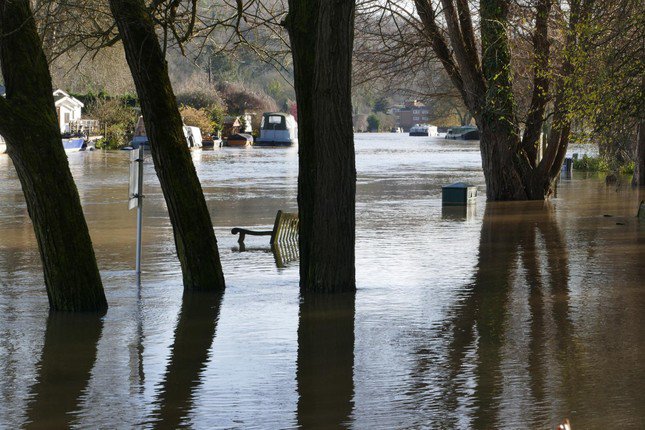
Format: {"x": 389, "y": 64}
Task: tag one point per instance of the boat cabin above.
{"x": 467, "y": 132}
{"x": 277, "y": 129}
{"x": 423, "y": 130}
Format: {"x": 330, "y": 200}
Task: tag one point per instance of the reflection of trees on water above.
{"x": 521, "y": 246}
{"x": 194, "y": 336}
{"x": 326, "y": 360}
{"x": 69, "y": 353}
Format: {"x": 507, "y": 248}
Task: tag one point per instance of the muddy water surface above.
{"x": 509, "y": 315}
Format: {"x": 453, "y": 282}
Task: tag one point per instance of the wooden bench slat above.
{"x": 285, "y": 229}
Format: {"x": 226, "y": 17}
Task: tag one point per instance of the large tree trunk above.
{"x": 28, "y": 124}
{"x": 321, "y": 36}
{"x": 499, "y": 132}
{"x": 510, "y": 163}
{"x": 503, "y": 180}
{"x": 191, "y": 222}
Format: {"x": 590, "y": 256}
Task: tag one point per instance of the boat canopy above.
{"x": 277, "y": 121}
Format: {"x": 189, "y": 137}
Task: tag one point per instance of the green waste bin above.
{"x": 458, "y": 194}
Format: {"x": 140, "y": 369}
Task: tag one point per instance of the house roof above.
{"x": 62, "y": 98}
{"x": 232, "y": 120}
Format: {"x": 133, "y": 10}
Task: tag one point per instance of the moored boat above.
{"x": 78, "y": 144}
{"x": 467, "y": 132}
{"x": 277, "y": 129}
{"x": 238, "y": 140}
{"x": 192, "y": 134}
{"x": 423, "y": 130}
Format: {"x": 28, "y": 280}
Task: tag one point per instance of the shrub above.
{"x": 373, "y": 123}
{"x": 591, "y": 164}
{"x": 198, "y": 118}
{"x": 116, "y": 119}
{"x": 628, "y": 169}
{"x": 240, "y": 99}
{"x": 199, "y": 98}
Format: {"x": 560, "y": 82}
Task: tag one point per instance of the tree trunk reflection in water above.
{"x": 520, "y": 245}
{"x": 194, "y": 336}
{"x": 69, "y": 354}
{"x": 326, "y": 360}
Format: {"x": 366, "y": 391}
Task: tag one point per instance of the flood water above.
{"x": 504, "y": 315}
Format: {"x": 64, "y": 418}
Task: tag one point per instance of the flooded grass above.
{"x": 500, "y": 315}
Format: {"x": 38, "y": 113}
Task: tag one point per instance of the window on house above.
{"x": 416, "y": 118}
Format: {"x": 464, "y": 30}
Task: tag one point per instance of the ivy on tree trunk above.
{"x": 511, "y": 164}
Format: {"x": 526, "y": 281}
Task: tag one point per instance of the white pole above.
{"x": 139, "y": 211}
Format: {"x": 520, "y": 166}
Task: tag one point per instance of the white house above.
{"x": 68, "y": 109}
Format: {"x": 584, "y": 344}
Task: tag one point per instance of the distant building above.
{"x": 413, "y": 112}
{"x": 394, "y": 109}
{"x": 68, "y": 110}
{"x": 231, "y": 126}
{"x": 246, "y": 122}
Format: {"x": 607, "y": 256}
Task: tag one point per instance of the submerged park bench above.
{"x": 285, "y": 230}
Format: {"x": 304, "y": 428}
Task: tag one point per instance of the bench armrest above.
{"x": 243, "y": 232}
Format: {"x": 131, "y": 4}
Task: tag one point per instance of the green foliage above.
{"x": 381, "y": 104}
{"x": 116, "y": 120}
{"x": 628, "y": 168}
{"x": 600, "y": 164}
{"x": 373, "y": 123}
{"x": 116, "y": 136}
{"x": 591, "y": 164}
{"x": 377, "y": 122}
{"x": 606, "y": 98}
{"x": 279, "y": 91}
{"x": 217, "y": 114}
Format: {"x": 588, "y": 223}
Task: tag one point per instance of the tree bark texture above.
{"x": 509, "y": 161}
{"x": 639, "y": 168}
{"x": 192, "y": 226}
{"x": 639, "y": 160}
{"x": 321, "y": 35}
{"x": 29, "y": 125}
